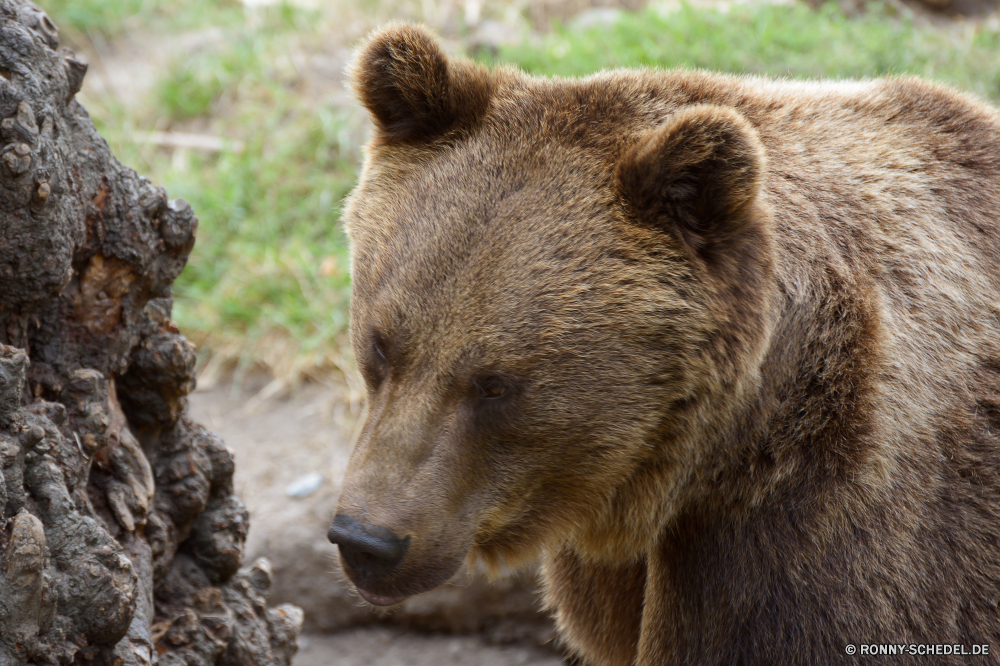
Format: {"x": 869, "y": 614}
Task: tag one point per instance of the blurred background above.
{"x": 239, "y": 107}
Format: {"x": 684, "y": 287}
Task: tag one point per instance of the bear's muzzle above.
{"x": 371, "y": 553}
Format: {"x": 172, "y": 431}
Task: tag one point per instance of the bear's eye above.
{"x": 491, "y": 388}
{"x": 376, "y": 365}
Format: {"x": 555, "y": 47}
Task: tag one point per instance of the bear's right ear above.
{"x": 404, "y": 79}
{"x": 696, "y": 177}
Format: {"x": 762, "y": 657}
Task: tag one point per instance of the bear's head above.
{"x": 559, "y": 292}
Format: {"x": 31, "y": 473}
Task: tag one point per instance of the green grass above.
{"x": 775, "y": 40}
{"x": 271, "y": 258}
{"x": 111, "y": 18}
{"x": 97, "y": 15}
{"x": 268, "y": 280}
{"x": 196, "y": 82}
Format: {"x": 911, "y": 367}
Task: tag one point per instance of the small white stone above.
{"x": 304, "y": 485}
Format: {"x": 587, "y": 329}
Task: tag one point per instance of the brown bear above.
{"x": 723, "y": 352}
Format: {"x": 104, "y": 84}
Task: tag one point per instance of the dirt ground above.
{"x": 278, "y": 442}
{"x": 380, "y": 646}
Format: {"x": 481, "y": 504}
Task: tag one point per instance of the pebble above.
{"x": 305, "y": 485}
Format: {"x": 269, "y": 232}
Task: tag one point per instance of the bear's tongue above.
{"x": 378, "y": 599}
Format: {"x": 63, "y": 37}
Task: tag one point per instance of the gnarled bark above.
{"x": 120, "y": 536}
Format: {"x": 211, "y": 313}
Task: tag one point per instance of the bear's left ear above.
{"x": 412, "y": 90}
{"x": 696, "y": 176}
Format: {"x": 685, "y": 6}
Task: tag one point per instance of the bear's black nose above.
{"x": 369, "y": 550}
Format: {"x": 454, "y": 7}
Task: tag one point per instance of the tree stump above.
{"x": 121, "y": 537}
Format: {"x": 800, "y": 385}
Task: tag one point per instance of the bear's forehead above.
{"x": 461, "y": 237}
{"x": 425, "y": 215}
{"x": 511, "y": 215}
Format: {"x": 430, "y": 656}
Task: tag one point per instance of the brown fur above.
{"x": 746, "y": 334}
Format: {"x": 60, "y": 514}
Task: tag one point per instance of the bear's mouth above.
{"x": 378, "y": 599}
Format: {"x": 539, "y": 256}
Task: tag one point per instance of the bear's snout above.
{"x": 371, "y": 553}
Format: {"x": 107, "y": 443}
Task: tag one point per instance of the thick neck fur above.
{"x": 856, "y": 460}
